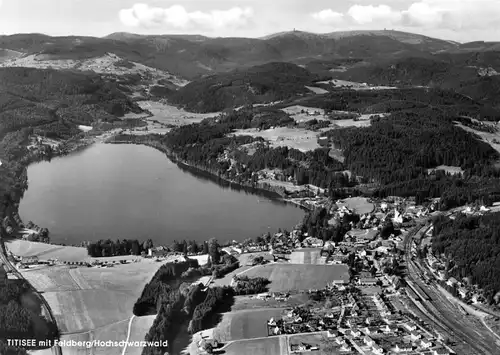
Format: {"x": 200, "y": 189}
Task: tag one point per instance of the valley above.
{"x": 371, "y": 132}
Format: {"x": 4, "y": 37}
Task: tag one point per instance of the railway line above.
{"x": 468, "y": 331}
{"x": 56, "y": 349}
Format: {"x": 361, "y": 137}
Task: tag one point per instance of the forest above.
{"x": 50, "y": 103}
{"x": 449, "y": 103}
{"x": 165, "y": 279}
{"x": 264, "y": 83}
{"x": 250, "y": 286}
{"x": 174, "y": 299}
{"x": 11, "y": 350}
{"x": 18, "y": 322}
{"x": 471, "y": 244}
{"x": 390, "y": 157}
{"x": 396, "y": 152}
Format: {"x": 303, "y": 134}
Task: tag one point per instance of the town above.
{"x": 368, "y": 304}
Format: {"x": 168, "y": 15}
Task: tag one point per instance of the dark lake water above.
{"x": 132, "y": 191}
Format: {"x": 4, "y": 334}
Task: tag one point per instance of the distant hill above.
{"x": 125, "y": 36}
{"x": 479, "y": 46}
{"x": 422, "y": 42}
{"x": 192, "y": 56}
{"x": 258, "y": 84}
{"x": 409, "y": 71}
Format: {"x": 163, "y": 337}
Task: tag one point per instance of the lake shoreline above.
{"x": 105, "y": 138}
{"x": 272, "y": 194}
{"x": 70, "y": 146}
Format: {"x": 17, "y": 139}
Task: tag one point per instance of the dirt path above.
{"x": 128, "y": 334}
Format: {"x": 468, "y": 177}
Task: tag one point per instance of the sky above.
{"x": 457, "y": 20}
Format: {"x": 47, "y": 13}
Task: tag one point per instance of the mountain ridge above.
{"x": 193, "y": 56}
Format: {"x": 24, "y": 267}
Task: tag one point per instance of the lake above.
{"x": 135, "y": 192}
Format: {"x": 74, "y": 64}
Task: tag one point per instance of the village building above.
{"x": 415, "y": 336}
{"x": 425, "y": 343}
{"x": 410, "y": 327}
{"x": 451, "y": 281}
{"x": 367, "y": 281}
{"x": 462, "y": 291}
{"x": 29, "y": 260}
{"x": 368, "y": 341}
{"x": 403, "y": 347}
{"x": 377, "y": 349}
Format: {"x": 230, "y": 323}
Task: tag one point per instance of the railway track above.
{"x": 441, "y": 312}
{"x": 431, "y": 302}
{"x": 56, "y": 349}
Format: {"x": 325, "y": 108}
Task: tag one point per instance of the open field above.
{"x": 303, "y": 113}
{"x": 359, "y": 204}
{"x": 95, "y": 303}
{"x": 289, "y": 186}
{"x": 242, "y": 303}
{"x": 286, "y": 277}
{"x": 46, "y": 251}
{"x": 297, "y": 138}
{"x": 355, "y": 85}
{"x": 245, "y": 258}
{"x": 107, "y": 64}
{"x": 171, "y": 115}
{"x": 153, "y": 127}
{"x": 307, "y": 256}
{"x": 61, "y": 252}
{"x": 226, "y": 280}
{"x": 490, "y": 138}
{"x": 453, "y": 170}
{"x": 84, "y": 310}
{"x": 245, "y": 324}
{"x": 267, "y": 346}
{"x": 317, "y": 90}
{"x": 115, "y": 332}
{"x": 351, "y": 123}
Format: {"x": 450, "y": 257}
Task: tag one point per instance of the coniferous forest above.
{"x": 472, "y": 244}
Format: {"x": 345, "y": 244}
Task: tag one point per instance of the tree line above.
{"x": 103, "y": 248}
{"x": 250, "y": 286}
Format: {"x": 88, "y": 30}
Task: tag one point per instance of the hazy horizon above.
{"x": 460, "y": 21}
{"x": 208, "y": 36}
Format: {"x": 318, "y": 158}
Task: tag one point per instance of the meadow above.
{"x": 46, "y": 251}
{"x": 359, "y": 204}
{"x": 307, "y": 256}
{"x": 95, "y": 303}
{"x": 266, "y": 346}
{"x": 288, "y": 277}
{"x": 171, "y": 115}
{"x": 247, "y": 324}
{"x": 296, "y": 138}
